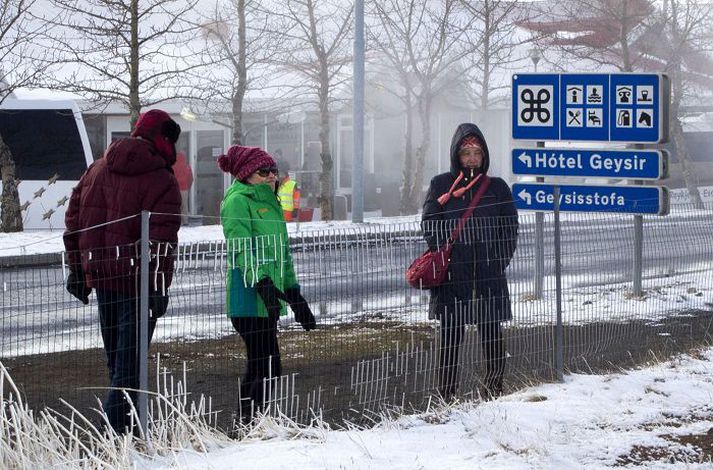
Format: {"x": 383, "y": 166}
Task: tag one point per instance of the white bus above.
{"x": 50, "y": 147}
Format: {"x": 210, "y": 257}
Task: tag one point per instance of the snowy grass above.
{"x": 644, "y": 418}
{"x": 178, "y": 426}
{"x": 68, "y": 439}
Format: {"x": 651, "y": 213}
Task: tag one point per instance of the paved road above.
{"x": 38, "y": 316}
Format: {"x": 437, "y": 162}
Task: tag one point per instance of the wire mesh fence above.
{"x": 375, "y": 346}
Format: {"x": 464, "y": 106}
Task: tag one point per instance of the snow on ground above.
{"x": 586, "y": 422}
{"x": 681, "y": 292}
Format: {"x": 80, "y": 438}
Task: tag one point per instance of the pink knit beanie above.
{"x": 241, "y": 162}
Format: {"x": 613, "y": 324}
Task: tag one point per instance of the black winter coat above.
{"x": 485, "y": 247}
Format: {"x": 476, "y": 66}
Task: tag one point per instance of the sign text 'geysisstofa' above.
{"x": 582, "y": 198}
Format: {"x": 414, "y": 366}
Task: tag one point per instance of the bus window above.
{"x": 43, "y": 143}
{"x": 50, "y": 148}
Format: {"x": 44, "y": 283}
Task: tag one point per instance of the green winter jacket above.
{"x": 258, "y": 247}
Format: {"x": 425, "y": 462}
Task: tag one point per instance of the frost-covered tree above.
{"x": 599, "y": 32}
{"x": 686, "y": 55}
{"x": 492, "y": 42}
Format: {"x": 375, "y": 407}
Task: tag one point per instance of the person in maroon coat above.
{"x": 103, "y": 223}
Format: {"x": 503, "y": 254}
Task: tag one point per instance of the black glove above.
{"x": 271, "y": 296}
{"x": 77, "y": 286}
{"x": 298, "y": 304}
{"x": 158, "y": 304}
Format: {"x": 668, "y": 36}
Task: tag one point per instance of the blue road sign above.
{"x": 599, "y": 163}
{"x": 580, "y": 198}
{"x": 624, "y": 107}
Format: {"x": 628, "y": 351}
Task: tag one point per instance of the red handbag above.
{"x": 431, "y": 268}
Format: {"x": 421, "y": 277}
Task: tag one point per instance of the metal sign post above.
{"x": 559, "y": 326}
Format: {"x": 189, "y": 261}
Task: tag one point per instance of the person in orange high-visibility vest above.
{"x": 288, "y": 193}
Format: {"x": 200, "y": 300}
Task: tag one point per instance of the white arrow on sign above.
{"x": 526, "y": 159}
{"x": 525, "y": 196}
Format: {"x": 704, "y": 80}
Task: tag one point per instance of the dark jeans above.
{"x": 260, "y": 338}
{"x": 118, "y": 316}
{"x": 493, "y": 348}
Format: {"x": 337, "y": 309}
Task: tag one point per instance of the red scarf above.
{"x": 443, "y": 199}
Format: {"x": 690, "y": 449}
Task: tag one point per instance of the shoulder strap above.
{"x": 471, "y": 207}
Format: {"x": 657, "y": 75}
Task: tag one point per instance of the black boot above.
{"x": 451, "y": 332}
{"x": 494, "y": 354}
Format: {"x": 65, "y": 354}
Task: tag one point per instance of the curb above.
{"x": 26, "y": 261}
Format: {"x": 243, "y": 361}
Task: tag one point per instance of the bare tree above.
{"x": 239, "y": 44}
{"x": 125, "y": 51}
{"x": 19, "y": 67}
{"x": 316, "y": 49}
{"x": 421, "y": 41}
{"x": 685, "y": 55}
{"x": 492, "y": 42}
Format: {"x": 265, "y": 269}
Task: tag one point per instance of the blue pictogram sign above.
{"x": 581, "y": 198}
{"x": 601, "y": 163}
{"x": 622, "y": 107}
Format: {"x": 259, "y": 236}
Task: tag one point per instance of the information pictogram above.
{"x": 536, "y": 106}
{"x": 594, "y": 107}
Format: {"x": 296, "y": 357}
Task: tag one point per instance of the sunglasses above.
{"x": 264, "y": 172}
{"x": 475, "y": 152}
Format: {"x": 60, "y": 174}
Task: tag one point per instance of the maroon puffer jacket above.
{"x": 130, "y": 178}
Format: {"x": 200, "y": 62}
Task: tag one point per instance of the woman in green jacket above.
{"x": 261, "y": 276}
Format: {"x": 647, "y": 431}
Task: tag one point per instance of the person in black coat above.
{"x": 476, "y": 290}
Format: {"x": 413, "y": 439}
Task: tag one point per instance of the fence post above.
{"x": 143, "y": 336}
{"x": 539, "y": 244}
{"x": 638, "y": 245}
{"x": 559, "y": 333}
{"x": 357, "y": 260}
{"x": 638, "y": 253}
